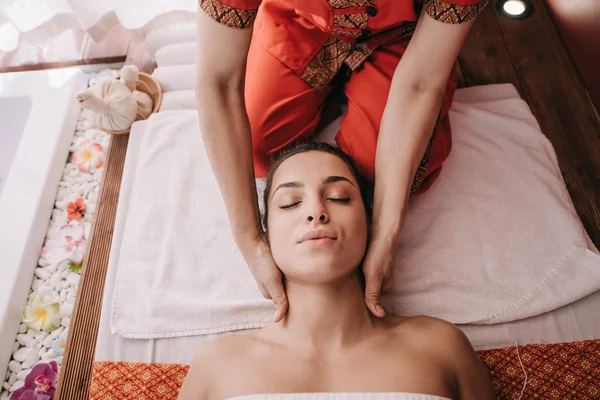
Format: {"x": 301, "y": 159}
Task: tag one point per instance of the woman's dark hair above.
{"x": 365, "y": 187}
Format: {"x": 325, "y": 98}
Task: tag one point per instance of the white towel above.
{"x": 495, "y": 239}
{"x": 180, "y": 272}
{"x": 176, "y": 77}
{"x": 178, "y": 100}
{"x": 176, "y": 54}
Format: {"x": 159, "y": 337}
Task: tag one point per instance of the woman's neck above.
{"x": 330, "y": 315}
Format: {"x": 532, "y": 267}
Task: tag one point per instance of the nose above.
{"x": 316, "y": 211}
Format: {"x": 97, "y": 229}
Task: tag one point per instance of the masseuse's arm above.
{"x": 411, "y": 112}
{"x": 412, "y": 108}
{"x": 221, "y": 67}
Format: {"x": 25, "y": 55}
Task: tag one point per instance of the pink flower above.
{"x": 40, "y": 384}
{"x": 89, "y": 155}
{"x": 75, "y": 210}
{"x": 67, "y": 243}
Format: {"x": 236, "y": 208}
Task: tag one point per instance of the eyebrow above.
{"x": 326, "y": 181}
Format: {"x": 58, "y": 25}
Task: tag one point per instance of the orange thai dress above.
{"x": 298, "y": 48}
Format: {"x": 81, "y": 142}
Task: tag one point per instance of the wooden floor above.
{"x": 528, "y": 54}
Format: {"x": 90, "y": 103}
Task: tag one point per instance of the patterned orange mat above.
{"x": 554, "y": 371}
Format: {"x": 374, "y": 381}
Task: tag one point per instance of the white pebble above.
{"x": 42, "y": 273}
{"x": 6, "y": 386}
{"x": 42, "y": 262}
{"x": 41, "y": 335}
{"x": 57, "y": 332}
{"x": 44, "y": 291}
{"x": 71, "y": 292}
{"x": 27, "y": 364}
{"x": 22, "y": 328}
{"x": 58, "y": 360}
{"x": 23, "y": 354}
{"x": 48, "y": 342}
{"x": 52, "y": 268}
{"x": 39, "y": 346}
{"x": 88, "y": 229}
{"x": 65, "y": 273}
{"x": 14, "y": 366}
{"x": 63, "y": 296}
{"x": 32, "y": 358}
{"x": 16, "y": 346}
{"x": 23, "y": 374}
{"x": 66, "y": 322}
{"x": 37, "y": 283}
{"x": 93, "y": 196}
{"x": 56, "y": 214}
{"x": 18, "y": 385}
{"x": 12, "y": 379}
{"x": 66, "y": 310}
{"x": 73, "y": 279}
{"x": 23, "y": 339}
{"x": 55, "y": 279}
{"x": 4, "y": 395}
{"x": 33, "y": 344}
{"x": 62, "y": 285}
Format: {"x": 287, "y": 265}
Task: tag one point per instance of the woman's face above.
{"x": 317, "y": 223}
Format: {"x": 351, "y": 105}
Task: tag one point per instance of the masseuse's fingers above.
{"x": 280, "y": 301}
{"x": 374, "y": 283}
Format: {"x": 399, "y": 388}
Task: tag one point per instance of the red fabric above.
{"x": 283, "y": 109}
{"x": 554, "y": 371}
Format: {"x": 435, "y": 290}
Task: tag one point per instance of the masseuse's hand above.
{"x": 268, "y": 276}
{"x": 377, "y": 267}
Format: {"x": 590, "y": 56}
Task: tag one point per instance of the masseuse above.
{"x": 264, "y": 75}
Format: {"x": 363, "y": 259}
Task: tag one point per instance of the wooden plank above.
{"x": 76, "y": 368}
{"x": 559, "y": 101}
{"x": 484, "y": 58}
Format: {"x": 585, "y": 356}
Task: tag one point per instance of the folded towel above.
{"x": 178, "y": 100}
{"x": 180, "y": 272}
{"x": 495, "y": 239}
{"x": 175, "y": 77}
{"x": 176, "y": 54}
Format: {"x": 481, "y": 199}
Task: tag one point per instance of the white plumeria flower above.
{"x": 66, "y": 243}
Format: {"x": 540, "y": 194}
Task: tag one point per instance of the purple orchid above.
{"x": 40, "y": 384}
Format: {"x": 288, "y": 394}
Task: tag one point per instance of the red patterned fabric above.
{"x": 554, "y": 371}
{"x": 140, "y": 381}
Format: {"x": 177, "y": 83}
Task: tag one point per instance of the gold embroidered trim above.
{"x": 352, "y": 21}
{"x": 323, "y": 67}
{"x": 358, "y": 55}
{"x": 232, "y": 17}
{"x": 452, "y": 13}
{"x": 348, "y": 3}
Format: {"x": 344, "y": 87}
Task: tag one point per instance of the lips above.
{"x": 317, "y": 234}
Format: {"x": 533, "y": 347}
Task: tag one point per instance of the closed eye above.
{"x": 342, "y": 200}
{"x": 289, "y": 205}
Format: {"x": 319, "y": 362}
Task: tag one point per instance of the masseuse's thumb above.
{"x": 279, "y": 298}
{"x": 373, "y": 293}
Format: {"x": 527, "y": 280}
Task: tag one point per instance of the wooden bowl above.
{"x": 147, "y": 84}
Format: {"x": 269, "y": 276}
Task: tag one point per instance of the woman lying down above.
{"x": 329, "y": 346}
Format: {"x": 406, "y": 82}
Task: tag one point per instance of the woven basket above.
{"x": 147, "y": 84}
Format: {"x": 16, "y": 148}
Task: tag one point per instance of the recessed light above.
{"x": 515, "y": 9}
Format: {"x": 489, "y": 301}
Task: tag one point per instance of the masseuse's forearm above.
{"x": 406, "y": 128}
{"x": 226, "y": 134}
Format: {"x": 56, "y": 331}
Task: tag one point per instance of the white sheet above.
{"x": 577, "y": 321}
